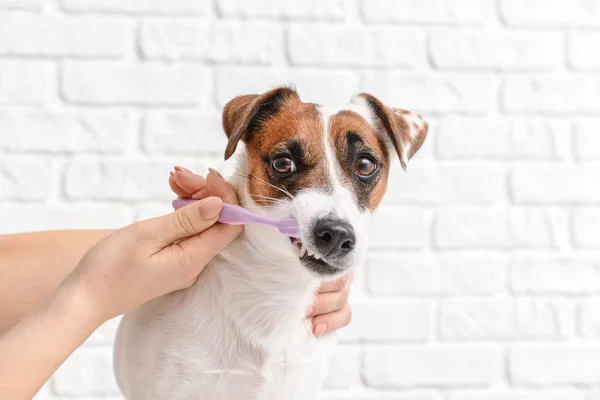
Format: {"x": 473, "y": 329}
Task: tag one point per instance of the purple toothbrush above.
{"x": 236, "y": 215}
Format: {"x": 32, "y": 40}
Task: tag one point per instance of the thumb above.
{"x": 182, "y": 223}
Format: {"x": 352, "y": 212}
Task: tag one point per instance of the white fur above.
{"x": 240, "y": 332}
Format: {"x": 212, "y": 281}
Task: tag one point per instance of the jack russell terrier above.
{"x": 240, "y": 332}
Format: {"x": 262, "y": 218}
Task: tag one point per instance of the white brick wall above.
{"x": 483, "y": 280}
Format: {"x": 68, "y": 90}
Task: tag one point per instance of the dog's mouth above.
{"x": 312, "y": 260}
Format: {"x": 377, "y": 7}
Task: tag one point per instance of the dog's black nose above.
{"x": 333, "y": 237}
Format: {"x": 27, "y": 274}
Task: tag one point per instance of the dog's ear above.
{"x": 403, "y": 129}
{"x": 244, "y": 115}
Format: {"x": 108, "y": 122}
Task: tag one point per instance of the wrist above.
{"x": 74, "y": 306}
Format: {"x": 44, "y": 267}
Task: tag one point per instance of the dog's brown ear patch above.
{"x": 406, "y": 131}
{"x": 244, "y": 115}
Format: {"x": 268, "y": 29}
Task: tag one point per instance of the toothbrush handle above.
{"x": 232, "y": 215}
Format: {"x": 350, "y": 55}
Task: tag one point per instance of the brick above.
{"x": 586, "y": 228}
{"x": 456, "y": 12}
{"x": 518, "y": 394}
{"x": 476, "y": 319}
{"x": 495, "y": 138}
{"x": 465, "y": 228}
{"x": 427, "y": 274}
{"x": 413, "y": 234}
{"x": 593, "y": 395}
{"x": 171, "y": 7}
{"x": 246, "y": 42}
{"x": 187, "y": 133}
{"x": 406, "y": 320}
{"x": 86, "y": 372}
{"x": 49, "y": 131}
{"x": 344, "y": 372}
{"x": 326, "y": 87}
{"x": 432, "y": 94}
{"x": 589, "y": 318}
{"x": 555, "y": 184}
{"x": 40, "y": 35}
{"x": 322, "y": 87}
{"x": 445, "y": 183}
{"x": 27, "y": 82}
{"x": 174, "y": 39}
{"x": 25, "y": 178}
{"x": 30, "y": 218}
{"x": 118, "y": 179}
{"x": 297, "y": 9}
{"x": 531, "y": 274}
{"x": 502, "y": 319}
{"x": 558, "y": 365}
{"x": 32, "y": 5}
{"x": 545, "y": 318}
{"x": 579, "y": 50}
{"x": 147, "y": 84}
{"x": 551, "y": 94}
{"x": 355, "y": 46}
{"x": 399, "y": 367}
{"x": 506, "y": 51}
{"x": 545, "y": 13}
{"x": 587, "y": 140}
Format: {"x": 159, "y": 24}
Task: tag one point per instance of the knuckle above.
{"x": 185, "y": 223}
{"x": 347, "y": 314}
{"x": 343, "y": 300}
{"x": 339, "y": 284}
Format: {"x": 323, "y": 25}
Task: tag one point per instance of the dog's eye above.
{"x": 365, "y": 167}
{"x": 283, "y": 165}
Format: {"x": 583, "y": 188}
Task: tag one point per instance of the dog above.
{"x": 241, "y": 332}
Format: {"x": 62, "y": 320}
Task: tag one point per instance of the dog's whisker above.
{"x": 248, "y": 176}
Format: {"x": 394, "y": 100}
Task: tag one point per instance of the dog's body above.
{"x": 238, "y": 333}
{"x": 241, "y": 332}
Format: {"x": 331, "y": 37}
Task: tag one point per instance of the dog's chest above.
{"x": 220, "y": 340}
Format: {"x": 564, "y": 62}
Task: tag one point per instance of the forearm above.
{"x": 32, "y": 350}
{"x": 32, "y": 265}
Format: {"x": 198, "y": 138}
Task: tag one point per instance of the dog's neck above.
{"x": 266, "y": 288}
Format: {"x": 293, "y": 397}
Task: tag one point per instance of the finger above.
{"x": 195, "y": 252}
{"x": 180, "y": 224}
{"x": 217, "y": 186}
{"x": 189, "y": 182}
{"x": 201, "y": 194}
{"x": 175, "y": 187}
{"x": 337, "y": 285}
{"x": 332, "y": 322}
{"x": 329, "y": 302}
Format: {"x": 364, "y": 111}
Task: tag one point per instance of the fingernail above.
{"x": 320, "y": 329}
{"x": 181, "y": 169}
{"x": 215, "y": 172}
{"x": 309, "y": 310}
{"x": 171, "y": 173}
{"x": 210, "y": 208}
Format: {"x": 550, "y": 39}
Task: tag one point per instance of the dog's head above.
{"x": 326, "y": 167}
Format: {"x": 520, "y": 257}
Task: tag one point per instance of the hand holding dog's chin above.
{"x": 148, "y": 259}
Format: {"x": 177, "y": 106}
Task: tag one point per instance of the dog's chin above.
{"x": 314, "y": 263}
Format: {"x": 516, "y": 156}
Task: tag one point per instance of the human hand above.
{"x": 330, "y": 310}
{"x": 151, "y": 258}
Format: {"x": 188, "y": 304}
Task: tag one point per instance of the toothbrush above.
{"x": 236, "y": 215}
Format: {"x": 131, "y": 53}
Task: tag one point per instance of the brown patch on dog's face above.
{"x": 358, "y": 149}
{"x": 295, "y": 133}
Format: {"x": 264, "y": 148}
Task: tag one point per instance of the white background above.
{"x": 483, "y": 277}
